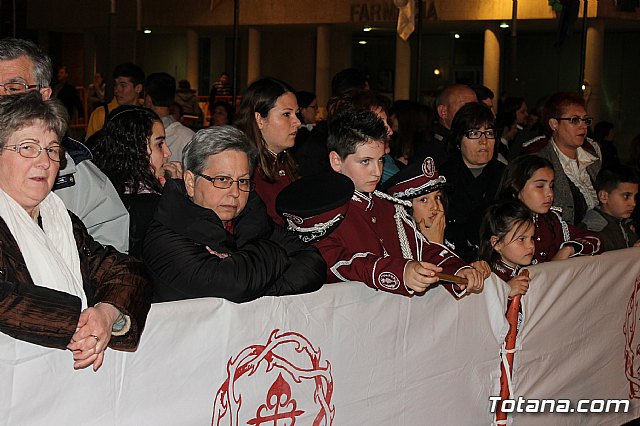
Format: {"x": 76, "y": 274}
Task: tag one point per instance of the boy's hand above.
{"x": 418, "y": 276}
{"x": 564, "y": 253}
{"x": 482, "y": 267}
{"x": 434, "y": 233}
{"x": 518, "y": 285}
{"x": 475, "y": 279}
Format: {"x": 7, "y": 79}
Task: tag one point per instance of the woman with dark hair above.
{"x": 221, "y": 113}
{"x": 530, "y": 179}
{"x": 268, "y": 117}
{"x": 133, "y": 154}
{"x": 474, "y": 173}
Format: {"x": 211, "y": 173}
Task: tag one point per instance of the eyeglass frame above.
{"x": 26, "y": 86}
{"x": 252, "y": 184}
{"x": 49, "y": 150}
{"x": 575, "y": 121}
{"x": 485, "y": 133}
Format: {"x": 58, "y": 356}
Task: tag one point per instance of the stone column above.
{"x": 491, "y": 63}
{"x": 253, "y": 61}
{"x": 192, "y": 58}
{"x": 402, "y": 81}
{"x": 323, "y": 78}
{"x": 593, "y": 67}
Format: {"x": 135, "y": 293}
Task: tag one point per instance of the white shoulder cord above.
{"x": 400, "y": 216}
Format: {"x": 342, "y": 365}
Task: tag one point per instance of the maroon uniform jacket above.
{"x": 268, "y": 191}
{"x": 366, "y": 247}
{"x": 552, "y": 233}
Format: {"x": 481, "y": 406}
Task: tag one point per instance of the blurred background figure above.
{"x": 160, "y": 92}
{"x": 308, "y": 108}
{"x": 506, "y": 131}
{"x": 95, "y": 92}
{"x": 412, "y": 138}
{"x": 485, "y": 95}
{"x": 128, "y": 86}
{"x": 448, "y": 103}
{"x": 604, "y": 135}
{"x": 222, "y": 87}
{"x": 65, "y": 91}
{"x": 192, "y": 115}
{"x": 221, "y": 113}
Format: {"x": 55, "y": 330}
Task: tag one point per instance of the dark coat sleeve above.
{"x": 117, "y": 279}
{"x": 182, "y": 269}
{"x": 306, "y": 271}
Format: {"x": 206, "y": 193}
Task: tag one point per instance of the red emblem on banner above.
{"x": 298, "y": 384}
{"x": 632, "y": 343}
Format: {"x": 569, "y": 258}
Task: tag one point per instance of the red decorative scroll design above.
{"x": 632, "y": 346}
{"x": 227, "y": 403}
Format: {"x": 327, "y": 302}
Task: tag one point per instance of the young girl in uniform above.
{"x": 507, "y": 243}
{"x": 530, "y": 180}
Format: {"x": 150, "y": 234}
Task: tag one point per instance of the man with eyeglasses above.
{"x": 211, "y": 235}
{"x": 83, "y": 188}
{"x": 576, "y": 159}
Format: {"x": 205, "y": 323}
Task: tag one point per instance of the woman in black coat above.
{"x": 474, "y": 174}
{"x": 212, "y": 237}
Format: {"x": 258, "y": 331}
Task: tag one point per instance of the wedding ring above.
{"x": 95, "y": 337}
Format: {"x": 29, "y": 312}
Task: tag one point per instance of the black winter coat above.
{"x": 470, "y": 198}
{"x": 263, "y": 258}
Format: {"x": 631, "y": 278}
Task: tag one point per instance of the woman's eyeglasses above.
{"x": 33, "y": 150}
{"x": 225, "y": 182}
{"x": 18, "y": 87}
{"x": 576, "y": 120}
{"x": 477, "y": 134}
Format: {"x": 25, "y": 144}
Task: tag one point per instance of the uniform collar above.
{"x": 362, "y": 200}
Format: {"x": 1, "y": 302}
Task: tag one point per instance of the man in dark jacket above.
{"x": 211, "y": 236}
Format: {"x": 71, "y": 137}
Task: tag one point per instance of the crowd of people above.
{"x": 271, "y": 201}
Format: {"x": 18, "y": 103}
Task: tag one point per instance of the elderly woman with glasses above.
{"x": 212, "y": 237}
{"x": 474, "y": 174}
{"x": 576, "y": 159}
{"x": 58, "y": 287}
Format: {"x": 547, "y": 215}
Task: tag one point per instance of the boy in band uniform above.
{"x": 376, "y": 243}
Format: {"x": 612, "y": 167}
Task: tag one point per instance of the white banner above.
{"x": 346, "y": 355}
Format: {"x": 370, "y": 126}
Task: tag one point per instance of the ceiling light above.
{"x": 367, "y": 29}
{"x": 436, "y": 71}
{"x": 504, "y": 25}
{"x": 362, "y": 42}
{"x": 456, "y": 35}
{"x": 147, "y": 31}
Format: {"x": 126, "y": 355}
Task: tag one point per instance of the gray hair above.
{"x": 24, "y": 109}
{"x": 13, "y": 48}
{"x": 214, "y": 140}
